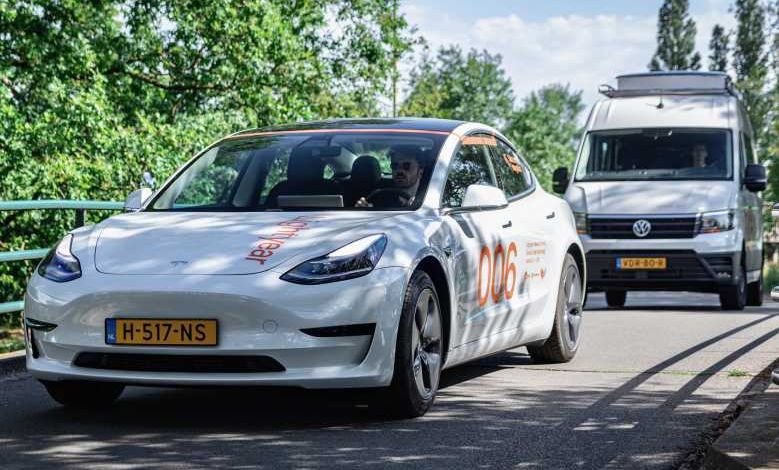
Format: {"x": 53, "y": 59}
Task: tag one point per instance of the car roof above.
{"x": 417, "y": 124}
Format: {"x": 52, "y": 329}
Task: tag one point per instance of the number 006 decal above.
{"x": 497, "y": 274}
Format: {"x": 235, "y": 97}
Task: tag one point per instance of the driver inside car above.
{"x": 406, "y": 164}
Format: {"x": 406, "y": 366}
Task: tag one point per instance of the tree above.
{"x": 546, "y": 129}
{"x": 94, "y": 93}
{"x": 675, "y": 38}
{"x": 750, "y": 62}
{"x": 454, "y": 85}
{"x": 719, "y": 47}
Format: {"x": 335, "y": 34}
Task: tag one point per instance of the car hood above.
{"x": 651, "y": 197}
{"x": 218, "y": 242}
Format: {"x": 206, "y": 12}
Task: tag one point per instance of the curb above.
{"x": 12, "y": 363}
{"x": 725, "y": 451}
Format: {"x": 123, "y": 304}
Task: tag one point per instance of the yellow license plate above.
{"x": 159, "y": 332}
{"x": 641, "y": 263}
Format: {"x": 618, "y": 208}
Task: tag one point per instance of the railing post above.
{"x": 80, "y": 217}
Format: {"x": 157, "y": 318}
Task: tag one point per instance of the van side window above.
{"x": 469, "y": 166}
{"x": 750, "y": 152}
{"x": 513, "y": 174}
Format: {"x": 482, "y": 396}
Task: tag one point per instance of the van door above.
{"x": 753, "y": 223}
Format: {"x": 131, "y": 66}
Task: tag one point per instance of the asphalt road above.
{"x": 649, "y": 379}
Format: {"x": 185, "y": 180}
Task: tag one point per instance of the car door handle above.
{"x": 550, "y": 216}
{"x": 507, "y": 224}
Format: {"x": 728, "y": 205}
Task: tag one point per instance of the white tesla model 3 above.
{"x": 338, "y": 254}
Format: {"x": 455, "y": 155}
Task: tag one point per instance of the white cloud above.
{"x": 584, "y": 51}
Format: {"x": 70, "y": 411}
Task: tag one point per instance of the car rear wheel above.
{"x": 84, "y": 394}
{"x": 563, "y": 342}
{"x": 616, "y": 298}
{"x": 419, "y": 350}
{"x": 735, "y": 297}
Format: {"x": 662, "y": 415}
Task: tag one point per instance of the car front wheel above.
{"x": 419, "y": 349}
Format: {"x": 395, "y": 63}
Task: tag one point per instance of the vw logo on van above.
{"x": 641, "y": 228}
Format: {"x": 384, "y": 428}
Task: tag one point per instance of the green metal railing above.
{"x": 81, "y": 207}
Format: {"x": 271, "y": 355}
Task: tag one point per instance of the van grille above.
{"x": 622, "y": 227}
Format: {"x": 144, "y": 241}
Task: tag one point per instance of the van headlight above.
{"x": 718, "y": 221}
{"x": 353, "y": 260}
{"x": 60, "y": 265}
{"x": 581, "y": 222}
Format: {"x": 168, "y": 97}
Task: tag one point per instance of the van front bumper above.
{"x": 686, "y": 270}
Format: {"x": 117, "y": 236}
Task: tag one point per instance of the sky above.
{"x": 580, "y": 42}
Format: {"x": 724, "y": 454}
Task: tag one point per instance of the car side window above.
{"x": 513, "y": 174}
{"x": 469, "y": 166}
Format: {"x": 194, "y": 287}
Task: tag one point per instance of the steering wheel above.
{"x": 389, "y": 197}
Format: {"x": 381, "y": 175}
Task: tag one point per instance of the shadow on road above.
{"x": 481, "y": 419}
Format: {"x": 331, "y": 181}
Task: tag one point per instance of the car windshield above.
{"x": 656, "y": 154}
{"x": 307, "y": 170}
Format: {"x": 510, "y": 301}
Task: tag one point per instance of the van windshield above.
{"x": 656, "y": 154}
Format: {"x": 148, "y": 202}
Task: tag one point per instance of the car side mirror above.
{"x": 135, "y": 200}
{"x": 775, "y": 210}
{"x": 481, "y": 196}
{"x": 560, "y": 180}
{"x": 755, "y": 178}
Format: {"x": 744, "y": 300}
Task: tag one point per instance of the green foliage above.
{"x": 770, "y": 276}
{"x": 675, "y": 38}
{"x": 719, "y": 46}
{"x": 470, "y": 87}
{"x": 750, "y": 62}
{"x": 94, "y": 93}
{"x": 546, "y": 129}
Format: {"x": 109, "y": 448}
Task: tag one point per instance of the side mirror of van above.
{"x": 755, "y": 178}
{"x": 560, "y": 180}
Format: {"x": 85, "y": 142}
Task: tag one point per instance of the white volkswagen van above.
{"x": 664, "y": 189}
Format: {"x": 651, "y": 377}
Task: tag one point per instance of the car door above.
{"x": 529, "y": 239}
{"x": 477, "y": 236}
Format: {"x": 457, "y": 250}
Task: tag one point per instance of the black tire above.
{"x": 404, "y": 396}
{"x": 84, "y": 394}
{"x": 564, "y": 340}
{"x": 755, "y": 292}
{"x": 616, "y": 298}
{"x": 735, "y": 297}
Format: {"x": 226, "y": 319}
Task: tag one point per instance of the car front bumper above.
{"x": 259, "y": 316}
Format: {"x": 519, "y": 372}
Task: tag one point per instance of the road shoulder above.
{"x": 752, "y": 440}
{"x": 12, "y": 362}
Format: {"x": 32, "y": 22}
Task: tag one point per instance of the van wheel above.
{"x": 755, "y": 292}
{"x": 418, "y": 351}
{"x": 616, "y": 298}
{"x": 563, "y": 342}
{"x": 83, "y": 394}
{"x": 735, "y": 297}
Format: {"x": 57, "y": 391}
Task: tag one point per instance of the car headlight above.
{"x": 719, "y": 221}
{"x": 353, "y": 260}
{"x": 60, "y": 265}
{"x": 581, "y": 222}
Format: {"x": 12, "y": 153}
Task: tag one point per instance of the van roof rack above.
{"x": 671, "y": 83}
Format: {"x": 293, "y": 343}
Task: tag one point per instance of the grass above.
{"x": 738, "y": 373}
{"x": 11, "y": 339}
